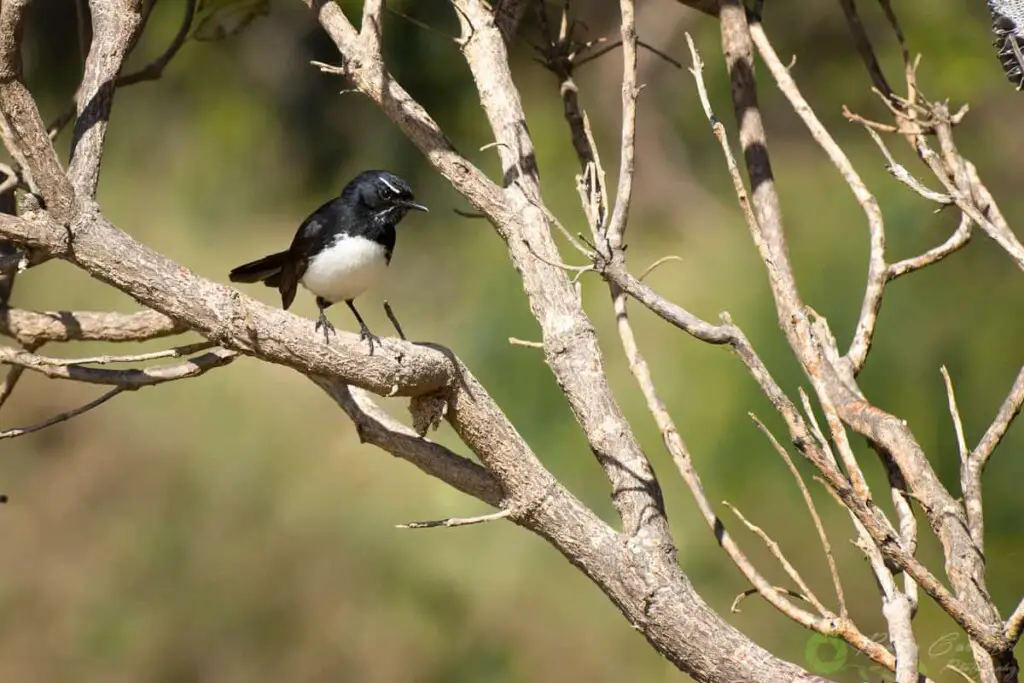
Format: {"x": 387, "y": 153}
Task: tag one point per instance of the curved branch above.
{"x": 376, "y": 427}
{"x": 32, "y": 328}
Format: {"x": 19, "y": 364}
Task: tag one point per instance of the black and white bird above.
{"x": 341, "y": 250}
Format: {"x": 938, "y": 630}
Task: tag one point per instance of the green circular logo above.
{"x": 825, "y": 655}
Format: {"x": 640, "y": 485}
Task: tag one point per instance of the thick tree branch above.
{"x": 32, "y": 328}
{"x": 376, "y": 427}
{"x": 115, "y": 24}
{"x": 570, "y": 341}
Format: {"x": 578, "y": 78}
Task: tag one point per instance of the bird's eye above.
{"x": 387, "y": 193}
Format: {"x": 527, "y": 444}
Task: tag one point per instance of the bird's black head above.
{"x": 382, "y": 195}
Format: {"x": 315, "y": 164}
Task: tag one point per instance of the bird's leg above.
{"x": 322, "y": 321}
{"x": 364, "y": 331}
{"x": 394, "y": 320}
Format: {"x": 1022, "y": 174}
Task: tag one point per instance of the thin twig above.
{"x": 664, "y": 259}
{"x": 1015, "y": 624}
{"x": 457, "y": 521}
{"x": 1008, "y": 411}
{"x": 151, "y": 72}
{"x": 127, "y": 379}
{"x": 176, "y": 352}
{"x": 617, "y": 44}
{"x": 394, "y": 319}
{"x": 809, "y": 501}
{"x": 155, "y": 69}
{"x": 21, "y": 431}
{"x": 777, "y": 553}
{"x": 973, "y": 464}
{"x": 954, "y": 243}
{"x": 900, "y": 173}
{"x": 523, "y": 342}
{"x": 697, "y": 70}
{"x": 954, "y": 412}
{"x": 735, "y": 607}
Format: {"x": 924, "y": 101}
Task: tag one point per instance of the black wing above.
{"x": 313, "y": 235}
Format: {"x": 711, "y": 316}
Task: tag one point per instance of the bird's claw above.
{"x": 323, "y": 322}
{"x": 369, "y": 337}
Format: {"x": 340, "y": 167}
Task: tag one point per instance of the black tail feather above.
{"x": 267, "y": 269}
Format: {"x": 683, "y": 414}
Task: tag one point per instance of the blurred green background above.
{"x": 232, "y": 528}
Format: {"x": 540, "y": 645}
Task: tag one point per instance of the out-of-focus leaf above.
{"x": 219, "y": 19}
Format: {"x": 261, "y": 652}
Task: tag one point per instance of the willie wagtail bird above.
{"x": 341, "y": 249}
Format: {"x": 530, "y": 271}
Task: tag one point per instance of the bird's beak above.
{"x": 414, "y": 205}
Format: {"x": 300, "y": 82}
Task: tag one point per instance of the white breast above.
{"x": 346, "y": 269}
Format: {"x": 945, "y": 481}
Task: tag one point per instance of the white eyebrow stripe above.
{"x": 388, "y": 183}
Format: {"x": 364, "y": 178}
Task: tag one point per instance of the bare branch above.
{"x": 176, "y": 352}
{"x": 1008, "y": 411}
{"x": 970, "y": 607}
{"x": 954, "y": 243}
{"x": 151, "y": 72}
{"x": 155, "y": 69}
{"x": 895, "y": 608}
{"x": 32, "y": 328}
{"x": 376, "y": 427}
{"x": 571, "y": 346}
{"x": 126, "y": 379}
{"x": 1015, "y": 624}
{"x": 697, "y": 70}
{"x": 809, "y": 502}
{"x": 62, "y": 417}
{"x": 777, "y": 553}
{"x": 372, "y": 28}
{"x": 627, "y": 162}
{"x": 456, "y": 521}
{"x": 876, "y": 280}
{"x": 114, "y": 26}
{"x": 954, "y": 412}
{"x": 899, "y": 172}
{"x": 973, "y": 463}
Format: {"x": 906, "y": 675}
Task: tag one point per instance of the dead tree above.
{"x": 635, "y": 565}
